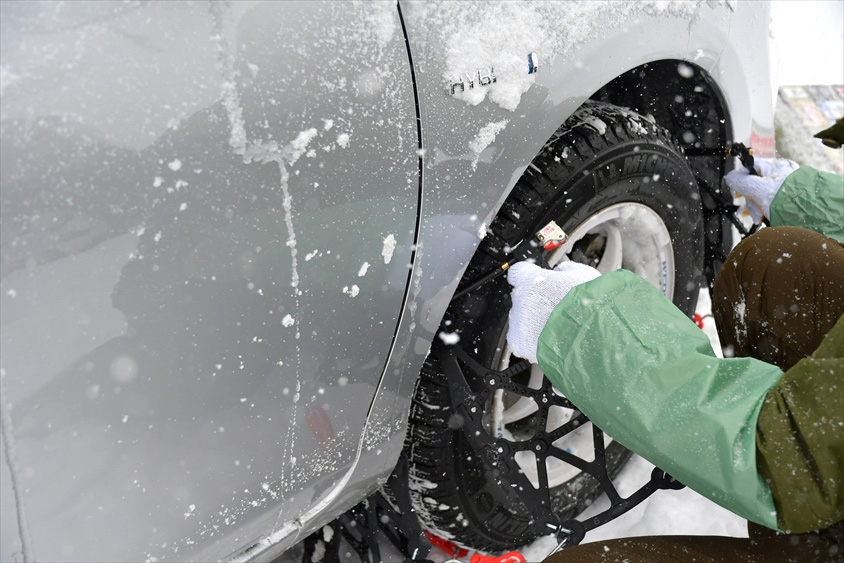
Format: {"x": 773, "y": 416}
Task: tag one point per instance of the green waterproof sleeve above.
{"x": 647, "y": 376}
{"x": 813, "y": 200}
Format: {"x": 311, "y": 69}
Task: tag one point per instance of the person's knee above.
{"x": 779, "y": 293}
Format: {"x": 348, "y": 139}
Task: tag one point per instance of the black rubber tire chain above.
{"x": 453, "y": 503}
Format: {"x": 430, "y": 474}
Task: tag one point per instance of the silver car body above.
{"x": 230, "y": 232}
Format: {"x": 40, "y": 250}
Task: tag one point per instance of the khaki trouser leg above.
{"x": 704, "y": 549}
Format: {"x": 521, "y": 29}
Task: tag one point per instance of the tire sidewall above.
{"x": 651, "y": 175}
{"x": 608, "y": 180}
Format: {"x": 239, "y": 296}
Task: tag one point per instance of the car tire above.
{"x": 604, "y": 161}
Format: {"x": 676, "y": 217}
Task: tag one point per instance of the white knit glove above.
{"x": 759, "y": 191}
{"x": 536, "y": 292}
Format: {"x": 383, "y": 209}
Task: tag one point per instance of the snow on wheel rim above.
{"x": 636, "y": 239}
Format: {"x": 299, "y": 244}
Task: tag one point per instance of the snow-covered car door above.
{"x": 208, "y": 212}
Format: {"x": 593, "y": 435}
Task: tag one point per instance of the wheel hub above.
{"x": 626, "y": 235}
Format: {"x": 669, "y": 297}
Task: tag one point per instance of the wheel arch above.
{"x": 652, "y": 88}
{"x": 686, "y": 100}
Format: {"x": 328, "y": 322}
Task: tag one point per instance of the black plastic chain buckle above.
{"x": 472, "y": 386}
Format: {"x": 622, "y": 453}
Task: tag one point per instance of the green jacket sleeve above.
{"x": 800, "y": 439}
{"x": 647, "y": 376}
{"x": 811, "y": 199}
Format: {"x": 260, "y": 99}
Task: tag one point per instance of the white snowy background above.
{"x": 808, "y": 40}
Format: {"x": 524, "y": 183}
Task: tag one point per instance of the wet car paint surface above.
{"x": 189, "y": 354}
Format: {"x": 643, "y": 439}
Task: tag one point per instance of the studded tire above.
{"x": 601, "y": 156}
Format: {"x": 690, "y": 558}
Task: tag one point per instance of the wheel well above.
{"x": 683, "y": 98}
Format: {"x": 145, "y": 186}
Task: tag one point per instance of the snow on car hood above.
{"x": 480, "y": 35}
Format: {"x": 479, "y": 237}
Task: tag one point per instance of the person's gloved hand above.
{"x": 759, "y": 191}
{"x": 536, "y": 291}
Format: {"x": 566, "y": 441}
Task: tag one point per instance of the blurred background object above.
{"x": 809, "y": 62}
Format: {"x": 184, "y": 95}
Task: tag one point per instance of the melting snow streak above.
{"x": 389, "y": 248}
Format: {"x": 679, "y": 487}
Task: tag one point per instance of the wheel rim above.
{"x": 626, "y": 235}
